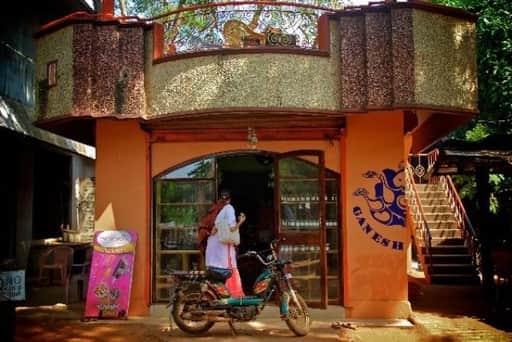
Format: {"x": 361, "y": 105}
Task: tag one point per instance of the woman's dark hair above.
{"x": 225, "y": 194}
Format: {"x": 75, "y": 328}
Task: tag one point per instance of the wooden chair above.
{"x": 56, "y": 261}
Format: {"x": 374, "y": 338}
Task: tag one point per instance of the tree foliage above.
{"x": 151, "y": 8}
{"x": 494, "y": 37}
{"x": 494, "y": 40}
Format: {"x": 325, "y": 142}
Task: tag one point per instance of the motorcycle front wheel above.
{"x": 298, "y": 319}
{"x": 182, "y": 307}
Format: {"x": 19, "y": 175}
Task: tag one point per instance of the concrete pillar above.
{"x": 375, "y": 234}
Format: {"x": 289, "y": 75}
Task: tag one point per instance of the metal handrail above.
{"x": 419, "y": 220}
{"x": 419, "y": 170}
{"x": 237, "y": 24}
{"x": 464, "y": 223}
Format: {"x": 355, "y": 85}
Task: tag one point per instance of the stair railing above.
{"x": 420, "y": 229}
{"x": 420, "y": 170}
{"x": 463, "y": 221}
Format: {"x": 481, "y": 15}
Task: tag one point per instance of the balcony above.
{"x": 271, "y": 63}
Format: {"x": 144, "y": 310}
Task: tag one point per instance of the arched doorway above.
{"x": 277, "y": 193}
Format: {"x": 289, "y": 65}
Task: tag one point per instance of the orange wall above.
{"x": 375, "y": 279}
{"x": 121, "y": 199}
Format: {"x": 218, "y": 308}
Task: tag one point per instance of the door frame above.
{"x": 300, "y": 238}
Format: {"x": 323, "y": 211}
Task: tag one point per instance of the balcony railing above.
{"x": 238, "y": 25}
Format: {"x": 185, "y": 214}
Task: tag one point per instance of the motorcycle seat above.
{"x": 218, "y": 274}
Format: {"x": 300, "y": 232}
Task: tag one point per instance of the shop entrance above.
{"x": 290, "y": 196}
{"x": 250, "y": 180}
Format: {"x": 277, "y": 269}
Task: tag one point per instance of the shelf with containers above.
{"x": 300, "y": 211}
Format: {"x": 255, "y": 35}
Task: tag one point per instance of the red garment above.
{"x": 206, "y": 224}
{"x": 234, "y": 283}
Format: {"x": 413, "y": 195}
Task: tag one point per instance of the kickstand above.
{"x": 232, "y": 326}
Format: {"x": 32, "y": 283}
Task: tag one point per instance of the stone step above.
{"x": 444, "y": 232}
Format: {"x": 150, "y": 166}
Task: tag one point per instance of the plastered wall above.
{"x": 374, "y": 234}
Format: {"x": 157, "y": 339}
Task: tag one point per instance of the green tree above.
{"x": 494, "y": 41}
{"x": 494, "y": 37}
{"x": 203, "y": 28}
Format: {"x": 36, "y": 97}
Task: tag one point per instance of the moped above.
{"x": 199, "y": 299}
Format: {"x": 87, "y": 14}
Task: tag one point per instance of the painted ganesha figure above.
{"x": 387, "y": 205}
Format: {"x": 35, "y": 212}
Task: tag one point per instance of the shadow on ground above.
{"x": 457, "y": 301}
{"x": 441, "y": 313}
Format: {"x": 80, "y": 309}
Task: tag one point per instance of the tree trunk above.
{"x": 122, "y": 5}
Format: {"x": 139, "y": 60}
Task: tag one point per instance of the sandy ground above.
{"x": 440, "y": 314}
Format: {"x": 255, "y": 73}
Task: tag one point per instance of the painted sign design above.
{"x": 110, "y": 281}
{"x": 386, "y": 205}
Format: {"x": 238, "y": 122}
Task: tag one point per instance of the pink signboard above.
{"x": 110, "y": 280}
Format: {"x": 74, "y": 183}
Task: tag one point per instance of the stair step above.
{"x": 422, "y": 191}
{"x": 437, "y": 209}
{"x": 445, "y": 233}
{"x": 449, "y": 259}
{"x": 451, "y": 269}
{"x": 429, "y": 187}
{"x": 440, "y": 225}
{"x": 446, "y": 249}
{"x": 440, "y": 241}
{"x": 466, "y": 279}
{"x": 433, "y": 201}
{"x": 434, "y": 216}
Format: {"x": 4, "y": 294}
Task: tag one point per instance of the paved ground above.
{"x": 440, "y": 314}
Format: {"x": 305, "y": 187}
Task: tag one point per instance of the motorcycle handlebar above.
{"x": 273, "y": 245}
{"x": 256, "y": 254}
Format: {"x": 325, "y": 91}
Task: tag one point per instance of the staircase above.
{"x": 448, "y": 260}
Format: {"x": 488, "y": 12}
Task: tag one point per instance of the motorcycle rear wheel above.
{"x": 298, "y": 319}
{"x": 181, "y": 306}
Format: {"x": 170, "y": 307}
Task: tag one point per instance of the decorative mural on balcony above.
{"x": 238, "y": 26}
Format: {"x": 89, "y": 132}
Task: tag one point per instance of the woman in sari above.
{"x": 223, "y": 255}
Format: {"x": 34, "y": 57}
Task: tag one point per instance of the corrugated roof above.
{"x": 16, "y": 117}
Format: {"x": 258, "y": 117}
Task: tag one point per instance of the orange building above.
{"x": 308, "y": 119}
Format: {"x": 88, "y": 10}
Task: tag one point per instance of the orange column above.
{"x": 375, "y": 235}
{"x": 121, "y": 195}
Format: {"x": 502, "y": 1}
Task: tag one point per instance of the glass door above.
{"x": 182, "y": 196}
{"x": 301, "y": 197}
